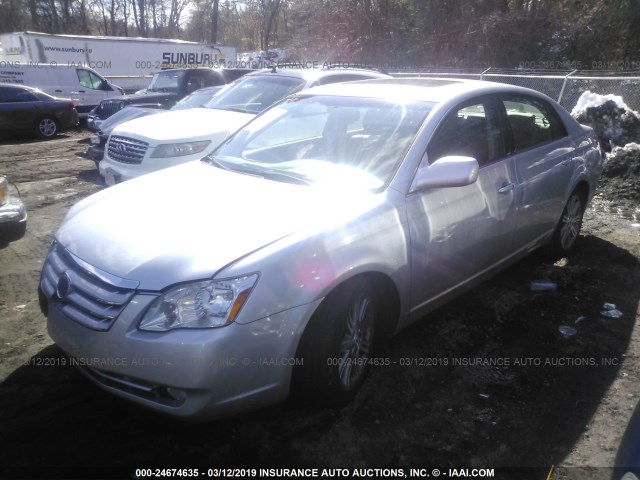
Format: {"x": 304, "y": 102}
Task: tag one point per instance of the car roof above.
{"x": 24, "y": 87}
{"x": 311, "y": 74}
{"x": 437, "y": 90}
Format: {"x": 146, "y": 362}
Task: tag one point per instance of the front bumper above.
{"x": 96, "y": 150}
{"x": 93, "y": 122}
{"x": 196, "y": 374}
{"x": 116, "y": 172}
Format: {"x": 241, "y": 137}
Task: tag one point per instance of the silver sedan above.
{"x": 328, "y": 223}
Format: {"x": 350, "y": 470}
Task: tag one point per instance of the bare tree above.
{"x": 269, "y": 12}
{"x": 215, "y": 14}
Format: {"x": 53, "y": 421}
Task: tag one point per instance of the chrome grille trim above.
{"x": 109, "y": 107}
{"x": 91, "y": 300}
{"x": 126, "y": 150}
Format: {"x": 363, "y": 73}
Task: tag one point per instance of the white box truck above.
{"x": 86, "y": 87}
{"x": 127, "y": 61}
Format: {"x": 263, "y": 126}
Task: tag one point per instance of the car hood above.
{"x": 182, "y": 125}
{"x": 188, "y": 222}
{"x": 126, "y": 115}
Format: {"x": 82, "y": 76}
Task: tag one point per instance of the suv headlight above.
{"x": 205, "y": 304}
{"x": 179, "y": 149}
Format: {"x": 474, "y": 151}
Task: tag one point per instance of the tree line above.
{"x": 602, "y": 34}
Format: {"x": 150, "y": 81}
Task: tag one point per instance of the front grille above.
{"x": 85, "y": 294}
{"x": 126, "y": 150}
{"x": 109, "y": 107}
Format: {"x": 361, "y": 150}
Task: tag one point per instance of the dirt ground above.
{"x": 551, "y": 400}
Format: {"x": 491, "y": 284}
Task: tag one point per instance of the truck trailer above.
{"x": 126, "y": 61}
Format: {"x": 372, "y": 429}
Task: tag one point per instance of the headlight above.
{"x": 206, "y": 304}
{"x": 179, "y": 149}
{"x": 4, "y": 189}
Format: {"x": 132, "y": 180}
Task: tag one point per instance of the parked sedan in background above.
{"x": 99, "y": 139}
{"x": 326, "y": 224}
{"x": 27, "y": 109}
{"x": 148, "y": 144}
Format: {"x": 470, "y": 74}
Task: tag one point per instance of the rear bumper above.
{"x": 69, "y": 120}
{"x": 12, "y": 212}
{"x": 13, "y": 220}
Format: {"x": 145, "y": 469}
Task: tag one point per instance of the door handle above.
{"x": 58, "y": 91}
{"x": 507, "y": 187}
{"x": 566, "y": 162}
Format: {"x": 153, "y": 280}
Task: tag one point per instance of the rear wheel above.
{"x": 46, "y": 128}
{"x": 337, "y": 344}
{"x": 568, "y": 229}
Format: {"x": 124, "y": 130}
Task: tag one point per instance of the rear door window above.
{"x": 16, "y": 95}
{"x": 530, "y": 122}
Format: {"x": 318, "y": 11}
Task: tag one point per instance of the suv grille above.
{"x": 82, "y": 292}
{"x": 126, "y": 150}
{"x": 109, "y": 107}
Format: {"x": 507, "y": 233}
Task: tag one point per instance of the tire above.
{"x": 337, "y": 344}
{"x": 46, "y": 128}
{"x": 12, "y": 232}
{"x": 568, "y": 229}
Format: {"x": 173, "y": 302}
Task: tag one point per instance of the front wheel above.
{"x": 337, "y": 344}
{"x": 568, "y": 229}
{"x": 46, "y": 128}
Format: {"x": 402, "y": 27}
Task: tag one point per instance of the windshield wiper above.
{"x": 272, "y": 174}
{"x": 287, "y": 177}
{"x": 216, "y": 163}
{"x": 266, "y": 173}
{"x": 240, "y": 107}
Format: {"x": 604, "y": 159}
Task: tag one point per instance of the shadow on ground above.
{"x": 446, "y": 398}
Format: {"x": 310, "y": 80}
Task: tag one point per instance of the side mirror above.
{"x": 453, "y": 171}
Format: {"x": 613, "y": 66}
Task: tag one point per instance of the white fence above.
{"x": 566, "y": 88}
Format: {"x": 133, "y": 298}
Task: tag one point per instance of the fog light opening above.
{"x": 170, "y": 393}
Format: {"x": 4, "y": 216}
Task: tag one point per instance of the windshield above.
{"x": 197, "y": 99}
{"x": 255, "y": 94}
{"x": 324, "y": 140}
{"x": 166, "y": 81}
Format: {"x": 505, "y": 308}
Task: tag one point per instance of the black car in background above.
{"x": 27, "y": 109}
{"x": 166, "y": 88}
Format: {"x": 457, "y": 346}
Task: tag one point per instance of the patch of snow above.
{"x": 610, "y": 117}
{"x": 589, "y": 99}
{"x": 628, "y": 148}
